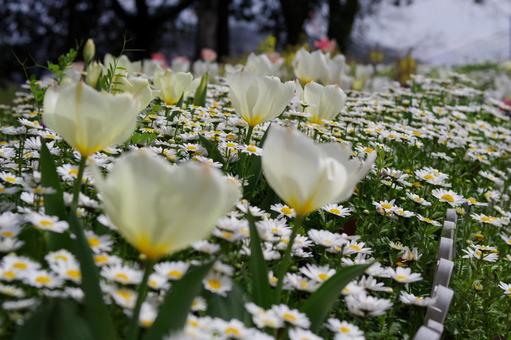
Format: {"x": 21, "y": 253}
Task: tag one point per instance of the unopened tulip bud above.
{"x": 89, "y": 51}
{"x": 93, "y": 72}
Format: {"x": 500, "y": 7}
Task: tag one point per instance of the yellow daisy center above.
{"x": 448, "y": 197}
{"x": 214, "y": 283}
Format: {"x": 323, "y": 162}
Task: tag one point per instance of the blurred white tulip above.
{"x": 261, "y": 65}
{"x": 323, "y": 102}
{"x": 257, "y": 99}
{"x": 308, "y": 176}
{"x": 172, "y": 85}
{"x": 87, "y": 119}
{"x": 159, "y": 208}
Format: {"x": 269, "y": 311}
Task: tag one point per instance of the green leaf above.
{"x": 261, "y": 290}
{"x": 53, "y": 203}
{"x": 229, "y": 307}
{"x": 319, "y": 304}
{"x": 254, "y": 175}
{"x": 199, "y": 98}
{"x": 174, "y": 310}
{"x": 212, "y": 149}
{"x": 35, "y": 327}
{"x": 55, "y": 320}
{"x": 95, "y": 307}
{"x": 143, "y": 138}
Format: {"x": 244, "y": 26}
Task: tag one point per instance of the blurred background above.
{"x": 439, "y": 32}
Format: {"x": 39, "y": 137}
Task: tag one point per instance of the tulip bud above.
{"x": 93, "y": 72}
{"x": 89, "y": 51}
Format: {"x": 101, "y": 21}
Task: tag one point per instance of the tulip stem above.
{"x": 78, "y": 184}
{"x": 142, "y": 292}
{"x": 249, "y": 134}
{"x": 286, "y": 259}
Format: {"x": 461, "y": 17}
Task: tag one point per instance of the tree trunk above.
{"x": 206, "y": 26}
{"x": 295, "y": 12}
{"x": 341, "y": 18}
{"x": 223, "y": 34}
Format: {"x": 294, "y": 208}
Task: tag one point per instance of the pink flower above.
{"x": 160, "y": 57}
{"x": 208, "y": 54}
{"x": 274, "y": 57}
{"x": 325, "y": 44}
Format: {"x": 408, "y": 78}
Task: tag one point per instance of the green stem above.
{"x": 78, "y": 184}
{"x": 142, "y": 292}
{"x": 249, "y": 134}
{"x": 286, "y": 259}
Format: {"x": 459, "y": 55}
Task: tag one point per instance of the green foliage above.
{"x": 320, "y": 303}
{"x": 199, "y": 98}
{"x": 55, "y": 319}
{"x": 97, "y": 313}
{"x": 174, "y": 309}
{"x": 64, "y": 61}
{"x": 261, "y": 290}
{"x": 37, "y": 91}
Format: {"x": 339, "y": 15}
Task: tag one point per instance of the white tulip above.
{"x": 173, "y": 85}
{"x": 89, "y": 120}
{"x": 261, "y": 65}
{"x": 335, "y": 70}
{"x": 323, "y": 102}
{"x": 310, "y": 66}
{"x": 159, "y": 208}
{"x": 308, "y": 176}
{"x": 257, "y": 99}
{"x": 93, "y": 72}
{"x": 140, "y": 89}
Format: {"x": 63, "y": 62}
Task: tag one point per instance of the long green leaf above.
{"x": 55, "y": 319}
{"x": 53, "y": 202}
{"x": 199, "y": 98}
{"x": 95, "y": 308}
{"x": 212, "y": 149}
{"x": 261, "y": 290}
{"x": 229, "y": 307}
{"x": 35, "y": 327}
{"x": 176, "y": 306}
{"x": 97, "y": 313}
{"x": 319, "y": 304}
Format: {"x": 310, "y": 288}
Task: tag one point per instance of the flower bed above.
{"x": 377, "y": 266}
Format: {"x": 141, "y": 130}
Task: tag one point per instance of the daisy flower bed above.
{"x": 148, "y": 204}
